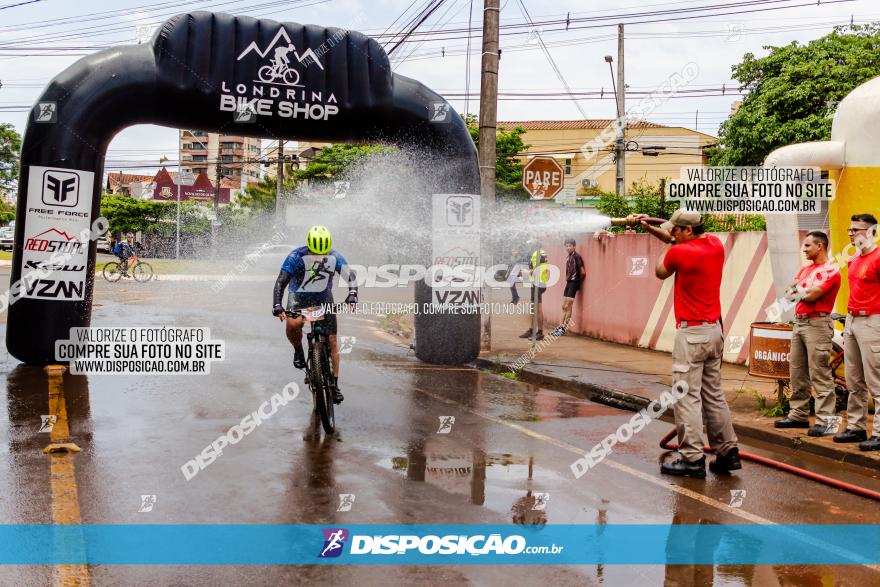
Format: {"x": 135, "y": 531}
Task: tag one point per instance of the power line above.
{"x": 427, "y": 13}
{"x": 19, "y": 4}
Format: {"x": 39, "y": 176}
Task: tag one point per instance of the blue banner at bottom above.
{"x": 448, "y": 544}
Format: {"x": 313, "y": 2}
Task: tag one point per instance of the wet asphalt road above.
{"x": 509, "y": 441}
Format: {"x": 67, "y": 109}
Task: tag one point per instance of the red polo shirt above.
{"x": 864, "y": 282}
{"x": 697, "y": 265}
{"x": 826, "y": 278}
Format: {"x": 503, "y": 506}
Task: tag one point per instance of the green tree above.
{"x": 127, "y": 214}
{"x": 508, "y": 169}
{"x": 792, "y": 90}
{"x": 259, "y": 197}
{"x": 7, "y": 212}
{"x": 335, "y": 160}
{"x": 10, "y": 148}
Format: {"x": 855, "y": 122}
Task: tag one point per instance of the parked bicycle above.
{"x": 139, "y": 270}
{"x": 319, "y": 367}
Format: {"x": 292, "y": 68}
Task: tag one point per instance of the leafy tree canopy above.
{"x": 793, "y": 91}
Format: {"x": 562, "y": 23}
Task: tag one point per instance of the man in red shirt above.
{"x": 697, "y": 260}
{"x": 861, "y": 334}
{"x": 816, "y": 288}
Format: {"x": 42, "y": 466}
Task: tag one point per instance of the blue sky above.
{"x": 654, "y": 51}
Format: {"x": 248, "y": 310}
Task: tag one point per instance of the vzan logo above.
{"x": 276, "y": 89}
{"x": 61, "y": 188}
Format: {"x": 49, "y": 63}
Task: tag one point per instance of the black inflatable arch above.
{"x": 342, "y": 89}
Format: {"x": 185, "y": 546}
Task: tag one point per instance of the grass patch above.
{"x": 6, "y": 255}
{"x": 776, "y": 410}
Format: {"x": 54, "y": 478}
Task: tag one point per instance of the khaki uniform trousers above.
{"x": 809, "y": 368}
{"x": 861, "y": 346}
{"x": 696, "y": 361}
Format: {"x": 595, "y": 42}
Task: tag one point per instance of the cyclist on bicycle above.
{"x": 281, "y": 60}
{"x": 307, "y": 273}
{"x": 125, "y": 251}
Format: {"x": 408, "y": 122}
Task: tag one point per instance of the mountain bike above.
{"x": 319, "y": 367}
{"x": 278, "y": 71}
{"x": 140, "y": 271}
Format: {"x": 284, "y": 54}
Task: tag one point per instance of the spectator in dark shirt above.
{"x": 574, "y": 277}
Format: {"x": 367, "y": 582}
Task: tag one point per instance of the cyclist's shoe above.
{"x": 540, "y": 335}
{"x": 526, "y": 334}
{"x": 338, "y": 398}
{"x": 299, "y": 359}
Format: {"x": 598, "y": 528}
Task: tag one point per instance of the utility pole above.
{"x": 620, "y": 147}
{"x": 487, "y": 154}
{"x": 216, "y": 209}
{"x": 279, "y": 182}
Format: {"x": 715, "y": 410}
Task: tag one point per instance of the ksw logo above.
{"x": 66, "y": 244}
{"x": 52, "y": 267}
{"x": 60, "y": 188}
{"x": 459, "y": 211}
{"x": 52, "y": 289}
{"x": 278, "y": 70}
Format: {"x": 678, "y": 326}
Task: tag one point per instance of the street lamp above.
{"x": 609, "y": 60}
{"x": 619, "y": 146}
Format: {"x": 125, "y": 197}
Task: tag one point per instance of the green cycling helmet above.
{"x": 319, "y": 240}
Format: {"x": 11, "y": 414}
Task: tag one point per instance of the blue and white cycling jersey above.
{"x": 311, "y": 279}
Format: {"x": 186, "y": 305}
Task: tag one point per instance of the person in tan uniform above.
{"x": 696, "y": 259}
{"x": 861, "y": 334}
{"x": 816, "y": 288}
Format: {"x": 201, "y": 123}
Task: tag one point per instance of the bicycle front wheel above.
{"x": 321, "y": 387}
{"x": 112, "y": 272}
{"x": 142, "y": 272}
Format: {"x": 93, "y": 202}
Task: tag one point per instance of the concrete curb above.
{"x": 634, "y": 402}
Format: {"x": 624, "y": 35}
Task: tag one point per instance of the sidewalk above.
{"x": 630, "y": 377}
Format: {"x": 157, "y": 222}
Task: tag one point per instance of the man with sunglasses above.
{"x": 697, "y": 260}
{"x": 861, "y": 334}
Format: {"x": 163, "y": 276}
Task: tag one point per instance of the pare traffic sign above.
{"x": 543, "y": 178}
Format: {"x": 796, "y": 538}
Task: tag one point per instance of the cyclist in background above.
{"x": 307, "y": 273}
{"x": 124, "y": 249}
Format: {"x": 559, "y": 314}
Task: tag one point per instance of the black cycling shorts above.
{"x": 571, "y": 289}
{"x": 329, "y": 321}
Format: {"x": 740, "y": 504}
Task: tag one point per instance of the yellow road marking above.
{"x": 65, "y": 500}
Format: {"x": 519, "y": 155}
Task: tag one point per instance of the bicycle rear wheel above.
{"x": 112, "y": 272}
{"x": 323, "y": 390}
{"x": 142, "y": 272}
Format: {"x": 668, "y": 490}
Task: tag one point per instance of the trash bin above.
{"x": 769, "y": 348}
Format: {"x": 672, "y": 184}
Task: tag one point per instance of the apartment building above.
{"x": 239, "y": 156}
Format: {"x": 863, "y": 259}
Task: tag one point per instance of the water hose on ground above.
{"x": 665, "y": 444}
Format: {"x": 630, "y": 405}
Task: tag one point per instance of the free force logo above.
{"x": 460, "y": 211}
{"x": 334, "y": 541}
{"x": 61, "y": 188}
